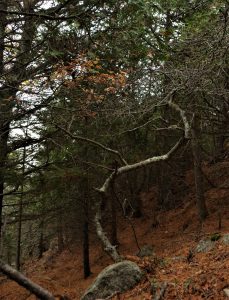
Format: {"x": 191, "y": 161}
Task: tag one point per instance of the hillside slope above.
{"x": 188, "y": 275}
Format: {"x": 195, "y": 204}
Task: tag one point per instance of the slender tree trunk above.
{"x": 4, "y": 128}
{"x": 135, "y": 200}
{"x": 4, "y": 133}
{"x": 163, "y": 179}
{"x": 200, "y": 200}
{"x": 86, "y": 244}
{"x": 114, "y": 238}
{"x": 6, "y": 106}
{"x": 18, "y": 256}
{"x": 86, "y": 257}
{"x": 139, "y": 188}
{"x": 162, "y": 184}
{"x": 41, "y": 239}
{"x": 1, "y": 205}
{"x": 221, "y": 137}
{"x": 60, "y": 234}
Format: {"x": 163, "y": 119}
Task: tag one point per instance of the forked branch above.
{"x": 108, "y": 247}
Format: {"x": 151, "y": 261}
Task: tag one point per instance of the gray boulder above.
{"x": 205, "y": 246}
{"x": 118, "y": 277}
{"x": 226, "y": 292}
{"x": 226, "y": 239}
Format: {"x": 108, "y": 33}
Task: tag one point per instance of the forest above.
{"x": 114, "y": 139}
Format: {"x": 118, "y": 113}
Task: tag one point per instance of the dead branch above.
{"x": 22, "y": 280}
{"x": 95, "y": 143}
{"x": 162, "y": 291}
{"x": 108, "y": 247}
{"x": 138, "y": 165}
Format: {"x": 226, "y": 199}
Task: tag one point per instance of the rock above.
{"x": 146, "y": 250}
{"x": 204, "y": 246}
{"x": 118, "y": 277}
{"x": 226, "y": 292}
{"x": 225, "y": 239}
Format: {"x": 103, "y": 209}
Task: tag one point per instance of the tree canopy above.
{"x": 95, "y": 97}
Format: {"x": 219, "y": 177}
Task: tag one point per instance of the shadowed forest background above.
{"x": 114, "y": 117}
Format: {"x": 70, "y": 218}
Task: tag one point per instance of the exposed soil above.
{"x": 187, "y": 275}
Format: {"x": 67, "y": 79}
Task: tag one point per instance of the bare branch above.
{"x": 108, "y": 247}
{"x": 83, "y": 139}
{"x": 140, "y": 164}
{"x": 162, "y": 291}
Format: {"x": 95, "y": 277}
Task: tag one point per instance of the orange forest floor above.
{"x": 203, "y": 276}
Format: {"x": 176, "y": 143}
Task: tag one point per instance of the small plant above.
{"x": 215, "y": 237}
{"x": 187, "y": 283}
{"x": 163, "y": 262}
{"x": 175, "y": 282}
{"x": 153, "y": 286}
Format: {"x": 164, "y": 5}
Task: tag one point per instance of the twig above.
{"x": 207, "y": 179}
{"x": 134, "y": 232}
{"x": 111, "y": 296}
{"x": 162, "y": 291}
{"x": 126, "y": 217}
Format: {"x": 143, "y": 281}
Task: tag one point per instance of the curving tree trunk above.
{"x": 108, "y": 247}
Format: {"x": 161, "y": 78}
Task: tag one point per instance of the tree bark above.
{"x": 41, "y": 239}
{"x": 4, "y": 128}
{"x": 114, "y": 238}
{"x": 108, "y": 247}
{"x": 200, "y": 200}
{"x": 4, "y": 133}
{"x": 60, "y": 234}
{"x": 20, "y": 212}
{"x": 86, "y": 257}
{"x": 86, "y": 245}
{"x": 135, "y": 188}
{"x": 18, "y": 255}
{"x": 22, "y": 280}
